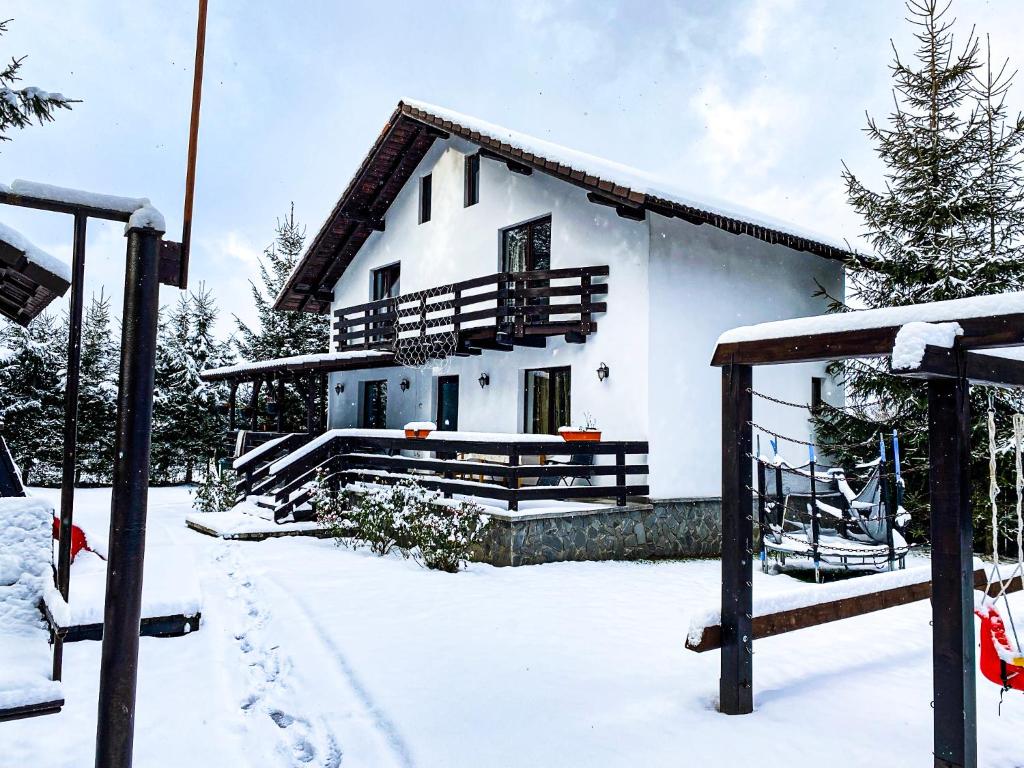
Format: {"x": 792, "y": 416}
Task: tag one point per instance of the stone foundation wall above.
{"x": 665, "y": 528}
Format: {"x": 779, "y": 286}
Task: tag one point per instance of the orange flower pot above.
{"x": 417, "y": 434}
{"x": 581, "y": 435}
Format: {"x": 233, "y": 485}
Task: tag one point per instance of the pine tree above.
{"x": 188, "y": 420}
{"x": 32, "y": 397}
{"x": 281, "y": 333}
{"x": 20, "y": 106}
{"x": 97, "y": 396}
{"x": 946, "y": 225}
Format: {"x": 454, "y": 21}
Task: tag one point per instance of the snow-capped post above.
{"x": 119, "y": 661}
{"x": 70, "y": 455}
{"x": 953, "y": 662}
{"x": 736, "y": 684}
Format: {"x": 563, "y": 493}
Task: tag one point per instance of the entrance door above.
{"x": 375, "y": 404}
{"x": 547, "y": 405}
{"x": 448, "y": 403}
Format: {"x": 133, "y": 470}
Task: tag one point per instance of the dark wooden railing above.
{"x": 254, "y": 472}
{"x": 513, "y": 304}
{"x": 344, "y": 459}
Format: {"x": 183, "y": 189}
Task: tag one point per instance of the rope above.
{"x": 861, "y": 444}
{"x": 993, "y": 484}
{"x": 1018, "y": 434}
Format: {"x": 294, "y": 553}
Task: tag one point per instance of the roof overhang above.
{"x": 406, "y": 138}
{"x": 26, "y": 287}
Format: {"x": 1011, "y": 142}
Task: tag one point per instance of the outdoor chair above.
{"x": 586, "y": 459}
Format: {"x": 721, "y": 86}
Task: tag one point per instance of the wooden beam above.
{"x": 54, "y": 206}
{"x": 781, "y": 622}
{"x": 512, "y": 165}
{"x": 953, "y": 654}
{"x": 736, "y": 684}
{"x": 633, "y": 212}
{"x": 979, "y": 333}
{"x": 979, "y": 368}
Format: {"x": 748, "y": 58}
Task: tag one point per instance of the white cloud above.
{"x": 761, "y": 22}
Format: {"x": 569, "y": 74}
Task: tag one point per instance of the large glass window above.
{"x": 527, "y": 246}
{"x": 547, "y": 405}
{"x": 375, "y": 405}
{"x": 385, "y": 282}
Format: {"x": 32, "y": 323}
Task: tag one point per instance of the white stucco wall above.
{"x": 704, "y": 281}
{"x": 459, "y": 243}
{"x": 664, "y": 315}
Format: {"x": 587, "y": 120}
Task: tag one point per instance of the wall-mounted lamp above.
{"x": 602, "y": 372}
{"x": 484, "y": 380}
{"x": 339, "y": 388}
{"x": 403, "y": 384}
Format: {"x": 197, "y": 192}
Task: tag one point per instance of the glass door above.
{"x": 526, "y": 248}
{"x": 374, "y": 405}
{"x": 547, "y": 404}
{"x": 448, "y": 403}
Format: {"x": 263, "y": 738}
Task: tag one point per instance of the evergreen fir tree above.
{"x": 97, "y": 396}
{"x": 944, "y": 227}
{"x": 281, "y": 333}
{"x": 19, "y": 107}
{"x": 32, "y": 397}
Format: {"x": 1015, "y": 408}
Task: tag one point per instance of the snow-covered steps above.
{"x": 244, "y": 523}
{"x": 171, "y": 596}
{"x": 26, "y": 687}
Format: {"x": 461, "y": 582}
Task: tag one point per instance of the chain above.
{"x": 861, "y": 444}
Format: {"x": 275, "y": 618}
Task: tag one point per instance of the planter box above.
{"x": 417, "y": 434}
{"x": 580, "y": 435}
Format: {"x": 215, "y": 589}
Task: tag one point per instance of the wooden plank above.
{"x": 31, "y": 710}
{"x": 979, "y": 368}
{"x": 979, "y": 333}
{"x": 836, "y": 610}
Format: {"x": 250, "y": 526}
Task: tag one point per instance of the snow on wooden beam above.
{"x": 978, "y": 368}
{"x": 706, "y": 633}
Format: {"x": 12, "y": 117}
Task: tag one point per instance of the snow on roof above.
{"x": 320, "y": 357}
{"x": 56, "y": 194}
{"x": 623, "y": 175}
{"x": 35, "y": 255}
{"x": 887, "y": 317}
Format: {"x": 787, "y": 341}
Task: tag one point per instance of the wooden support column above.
{"x": 281, "y": 422}
{"x": 736, "y": 690}
{"x": 324, "y": 404}
{"x": 254, "y": 399}
{"x": 311, "y": 403}
{"x": 233, "y": 405}
{"x": 953, "y": 655}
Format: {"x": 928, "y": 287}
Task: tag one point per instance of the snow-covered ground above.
{"x": 314, "y": 655}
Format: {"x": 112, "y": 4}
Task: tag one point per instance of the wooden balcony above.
{"x": 499, "y": 311}
{"x": 505, "y": 468}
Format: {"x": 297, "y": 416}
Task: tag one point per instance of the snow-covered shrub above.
{"x": 215, "y": 492}
{"x": 444, "y": 535}
{"x": 333, "y": 510}
{"x": 384, "y": 517}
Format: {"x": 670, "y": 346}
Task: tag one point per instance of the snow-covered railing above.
{"x": 501, "y": 466}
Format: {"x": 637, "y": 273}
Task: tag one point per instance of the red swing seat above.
{"x": 78, "y": 540}
{"x": 999, "y": 662}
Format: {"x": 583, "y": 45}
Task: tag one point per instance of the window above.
{"x": 375, "y": 405}
{"x": 384, "y": 282}
{"x": 527, "y": 246}
{"x": 471, "y": 194}
{"x": 547, "y": 405}
{"x": 817, "y": 383}
{"x": 425, "y": 199}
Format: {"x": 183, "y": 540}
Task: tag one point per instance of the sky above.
{"x": 757, "y": 102}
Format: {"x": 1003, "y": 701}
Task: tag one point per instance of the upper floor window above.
{"x": 471, "y": 195}
{"x": 425, "y": 185}
{"x": 527, "y": 247}
{"x": 384, "y": 282}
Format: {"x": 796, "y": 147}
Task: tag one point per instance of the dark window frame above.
{"x": 530, "y": 225}
{"x": 551, "y": 415}
{"x": 426, "y": 193}
{"x": 366, "y": 387}
{"x": 471, "y": 181}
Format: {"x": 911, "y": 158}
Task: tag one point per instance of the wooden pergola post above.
{"x": 232, "y": 405}
{"x": 254, "y": 398}
{"x": 736, "y": 684}
{"x": 953, "y": 655}
{"x": 311, "y": 414}
{"x": 280, "y": 403}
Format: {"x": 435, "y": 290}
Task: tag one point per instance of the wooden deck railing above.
{"x": 616, "y": 469}
{"x": 514, "y": 304}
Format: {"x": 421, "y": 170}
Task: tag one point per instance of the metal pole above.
{"x": 119, "y": 660}
{"x": 953, "y": 656}
{"x": 193, "y": 145}
{"x": 736, "y": 683}
{"x": 67, "y": 483}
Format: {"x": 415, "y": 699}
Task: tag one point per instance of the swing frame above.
{"x": 947, "y": 373}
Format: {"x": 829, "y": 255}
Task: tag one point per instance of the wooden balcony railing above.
{"x": 515, "y": 471}
{"x": 513, "y": 306}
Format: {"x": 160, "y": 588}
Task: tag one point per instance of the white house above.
{"x": 442, "y": 198}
